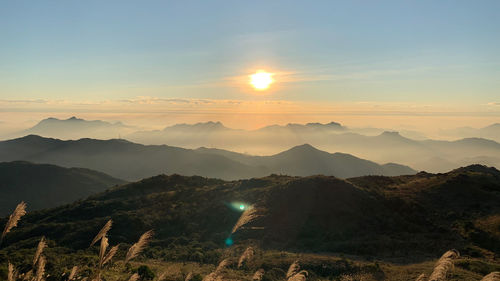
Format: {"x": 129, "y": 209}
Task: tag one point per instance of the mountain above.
{"x": 304, "y": 160}
{"x": 374, "y": 144}
{"x": 46, "y": 186}
{"x": 490, "y": 132}
{"x": 215, "y": 134}
{"x": 131, "y": 161}
{"x": 303, "y": 128}
{"x": 75, "y": 128}
{"x": 206, "y": 127}
{"x": 122, "y": 159}
{"x": 416, "y": 215}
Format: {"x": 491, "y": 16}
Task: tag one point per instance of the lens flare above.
{"x": 238, "y": 206}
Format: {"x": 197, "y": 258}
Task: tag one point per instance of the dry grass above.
{"x": 39, "y": 249}
{"x": 300, "y": 276}
{"x": 111, "y": 253}
{"x": 134, "y": 277}
{"x": 188, "y": 277}
{"x": 11, "y": 275}
{"x": 258, "y": 275}
{"x": 247, "y": 216}
{"x": 421, "y": 277}
{"x": 73, "y": 272}
{"x": 246, "y": 256}
{"x": 293, "y": 269}
{"x": 40, "y": 270}
{"x": 102, "y": 232}
{"x": 138, "y": 247}
{"x": 494, "y": 276}
{"x": 443, "y": 266}
{"x": 14, "y": 219}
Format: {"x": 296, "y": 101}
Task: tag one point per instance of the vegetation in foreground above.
{"x": 382, "y": 228}
{"x": 235, "y": 264}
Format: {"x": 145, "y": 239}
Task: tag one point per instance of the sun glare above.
{"x": 261, "y": 80}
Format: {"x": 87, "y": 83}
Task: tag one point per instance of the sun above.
{"x": 261, "y": 80}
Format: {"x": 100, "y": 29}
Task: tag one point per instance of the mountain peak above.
{"x": 209, "y": 125}
{"x": 477, "y": 168}
{"x": 390, "y": 134}
{"x": 306, "y": 148}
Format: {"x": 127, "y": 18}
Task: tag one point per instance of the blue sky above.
{"x": 423, "y": 52}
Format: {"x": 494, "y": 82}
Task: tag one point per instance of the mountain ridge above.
{"x": 371, "y": 215}
{"x": 43, "y": 185}
{"x": 132, "y": 161}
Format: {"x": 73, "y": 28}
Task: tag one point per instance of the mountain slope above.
{"x": 398, "y": 216}
{"x": 132, "y": 161}
{"x": 46, "y": 186}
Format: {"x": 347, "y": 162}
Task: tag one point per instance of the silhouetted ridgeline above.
{"x": 46, "y": 186}
{"x": 131, "y": 161}
{"x": 418, "y": 215}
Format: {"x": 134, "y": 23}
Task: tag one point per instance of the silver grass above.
{"x": 162, "y": 276}
{"x": 188, "y": 277}
{"x": 421, "y": 277}
{"x": 134, "y": 277}
{"x": 443, "y": 266}
{"x": 222, "y": 265}
{"x": 494, "y": 276}
{"x": 14, "y": 218}
{"x": 214, "y": 276}
{"x": 247, "y": 216}
{"x": 11, "y": 275}
{"x": 111, "y": 253}
{"x": 28, "y": 275}
{"x": 72, "y": 274}
{"x": 246, "y": 256}
{"x": 137, "y": 248}
{"x": 102, "y": 250}
{"x": 39, "y": 249}
{"x": 211, "y": 277}
{"x": 102, "y": 232}
{"x": 40, "y": 269}
{"x": 300, "y": 276}
{"x": 257, "y": 276}
{"x": 293, "y": 269}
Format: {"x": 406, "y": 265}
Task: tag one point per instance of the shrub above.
{"x": 145, "y": 272}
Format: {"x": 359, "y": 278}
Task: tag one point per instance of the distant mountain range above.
{"x": 369, "y": 143}
{"x": 45, "y": 186}
{"x": 388, "y": 146}
{"x": 132, "y": 161}
{"x": 490, "y": 132}
{"x": 76, "y": 128}
{"x": 417, "y": 215}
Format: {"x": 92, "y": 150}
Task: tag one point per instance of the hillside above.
{"x": 131, "y": 161}
{"x": 407, "y": 216}
{"x": 46, "y": 186}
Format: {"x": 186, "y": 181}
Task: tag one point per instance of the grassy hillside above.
{"x": 376, "y": 228}
{"x": 419, "y": 215}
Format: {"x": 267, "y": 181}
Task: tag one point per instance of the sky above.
{"x": 358, "y": 62}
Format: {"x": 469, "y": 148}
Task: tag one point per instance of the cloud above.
{"x": 494, "y": 103}
{"x": 27, "y": 101}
